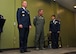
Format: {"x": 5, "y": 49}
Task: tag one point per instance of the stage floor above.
{"x": 46, "y": 51}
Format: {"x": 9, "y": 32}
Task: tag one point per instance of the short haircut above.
{"x": 53, "y": 16}
{"x": 23, "y": 1}
{"x": 39, "y": 10}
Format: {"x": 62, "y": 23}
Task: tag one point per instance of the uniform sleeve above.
{"x": 34, "y": 21}
{"x": 29, "y": 20}
{"x": 19, "y": 16}
{"x": 29, "y": 17}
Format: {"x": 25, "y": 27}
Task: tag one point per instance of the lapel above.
{"x": 23, "y": 10}
{"x": 53, "y": 22}
{"x": 26, "y": 11}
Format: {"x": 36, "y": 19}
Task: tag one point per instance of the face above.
{"x": 41, "y": 12}
{"x": 53, "y": 17}
{"x": 24, "y": 4}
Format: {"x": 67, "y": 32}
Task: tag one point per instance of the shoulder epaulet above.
{"x": 19, "y": 8}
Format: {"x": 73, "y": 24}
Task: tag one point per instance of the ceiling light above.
{"x": 75, "y": 6}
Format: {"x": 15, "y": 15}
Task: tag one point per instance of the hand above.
{"x": 30, "y": 26}
{"x": 20, "y": 26}
{"x": 50, "y": 32}
{"x": 58, "y": 32}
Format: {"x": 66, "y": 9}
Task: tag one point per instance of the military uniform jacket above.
{"x": 23, "y": 17}
{"x": 54, "y": 26}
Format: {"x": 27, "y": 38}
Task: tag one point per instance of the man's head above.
{"x": 40, "y": 12}
{"x": 24, "y": 4}
{"x": 53, "y": 17}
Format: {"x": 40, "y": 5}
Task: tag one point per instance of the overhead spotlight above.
{"x": 75, "y": 7}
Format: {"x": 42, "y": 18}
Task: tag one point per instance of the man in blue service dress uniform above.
{"x": 24, "y": 24}
{"x": 54, "y": 30}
